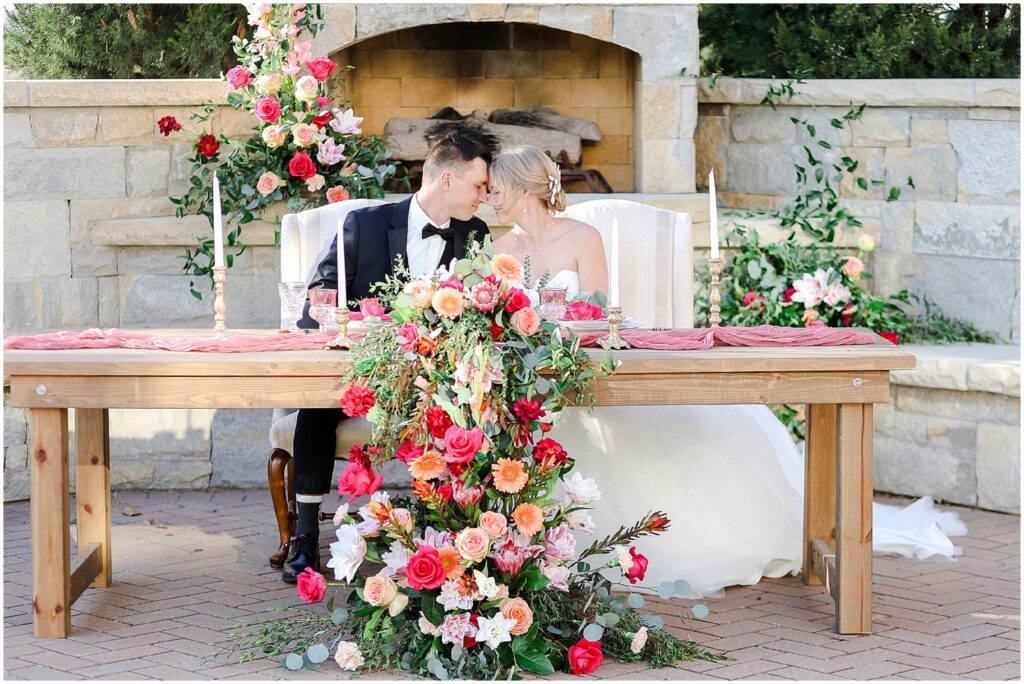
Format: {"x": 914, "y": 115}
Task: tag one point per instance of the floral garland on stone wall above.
{"x": 476, "y": 574}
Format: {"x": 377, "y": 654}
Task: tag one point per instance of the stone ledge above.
{"x": 911, "y": 92}
{"x": 973, "y": 367}
{"x": 113, "y": 93}
{"x": 161, "y": 231}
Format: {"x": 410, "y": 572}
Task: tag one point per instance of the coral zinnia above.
{"x": 509, "y": 475}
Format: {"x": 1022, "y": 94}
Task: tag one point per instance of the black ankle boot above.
{"x": 303, "y": 552}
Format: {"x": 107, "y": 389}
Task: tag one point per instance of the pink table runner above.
{"x": 677, "y": 340}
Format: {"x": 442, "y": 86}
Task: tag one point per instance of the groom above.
{"x": 427, "y": 230}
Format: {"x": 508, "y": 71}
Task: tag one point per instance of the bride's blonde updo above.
{"x": 527, "y": 167}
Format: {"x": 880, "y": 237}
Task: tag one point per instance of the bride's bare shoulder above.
{"x": 578, "y": 230}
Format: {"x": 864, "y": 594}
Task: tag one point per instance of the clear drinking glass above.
{"x": 322, "y": 304}
{"x": 552, "y": 303}
{"x": 293, "y": 298}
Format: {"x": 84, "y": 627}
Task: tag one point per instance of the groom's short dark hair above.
{"x": 452, "y": 152}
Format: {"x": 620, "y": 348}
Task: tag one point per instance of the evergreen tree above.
{"x": 862, "y": 41}
{"x": 122, "y": 40}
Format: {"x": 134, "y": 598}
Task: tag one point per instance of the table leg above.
{"x": 93, "y": 486}
{"x": 854, "y": 433}
{"x": 51, "y": 534}
{"x": 819, "y": 483}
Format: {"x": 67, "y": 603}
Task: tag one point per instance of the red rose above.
{"x": 467, "y": 640}
{"x": 168, "y": 124}
{"x": 549, "y": 449}
{"x": 848, "y": 314}
{"x": 445, "y": 492}
{"x": 321, "y": 67}
{"x": 496, "y": 330}
{"x": 528, "y": 410}
{"x": 545, "y": 427}
{"x": 460, "y": 446}
{"x": 585, "y": 657}
{"x": 311, "y": 585}
{"x": 752, "y": 297}
{"x": 208, "y": 145}
{"x": 424, "y": 570}
{"x": 438, "y": 421}
{"x": 321, "y": 119}
{"x": 267, "y": 109}
{"x": 409, "y": 452}
{"x": 238, "y": 77}
{"x": 358, "y": 479}
{"x": 890, "y": 335}
{"x": 516, "y": 299}
{"x": 638, "y": 569}
{"x": 788, "y": 295}
{"x": 357, "y": 401}
{"x": 302, "y": 166}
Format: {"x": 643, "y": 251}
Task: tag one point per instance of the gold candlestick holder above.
{"x": 715, "y": 296}
{"x": 612, "y": 340}
{"x": 342, "y": 341}
{"x": 219, "y": 307}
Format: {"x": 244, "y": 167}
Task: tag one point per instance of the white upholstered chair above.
{"x": 305, "y": 240}
{"x": 655, "y": 258}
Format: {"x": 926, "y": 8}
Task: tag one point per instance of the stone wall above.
{"x": 413, "y": 73}
{"x": 954, "y": 236}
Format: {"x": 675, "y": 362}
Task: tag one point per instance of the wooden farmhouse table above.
{"x": 840, "y": 385}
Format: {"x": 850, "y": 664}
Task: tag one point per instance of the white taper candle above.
{"x": 218, "y": 226}
{"x": 714, "y": 216}
{"x": 342, "y": 279}
{"x": 613, "y": 285}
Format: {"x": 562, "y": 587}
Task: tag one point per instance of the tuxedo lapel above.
{"x": 398, "y": 235}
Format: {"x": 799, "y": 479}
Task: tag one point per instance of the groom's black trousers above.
{"x": 315, "y": 443}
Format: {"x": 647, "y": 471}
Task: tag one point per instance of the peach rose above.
{"x": 315, "y": 182}
{"x": 517, "y": 609}
{"x": 273, "y": 136}
{"x": 448, "y": 302}
{"x": 529, "y": 518}
{"x": 506, "y": 266}
{"x": 493, "y": 523}
{"x": 304, "y": 135}
{"x": 422, "y": 293}
{"x": 526, "y": 322}
{"x": 306, "y": 88}
{"x": 810, "y": 315}
{"x": 268, "y": 182}
{"x": 337, "y": 194}
{"x": 269, "y": 83}
{"x": 380, "y": 590}
{"x": 473, "y": 543}
{"x": 853, "y": 268}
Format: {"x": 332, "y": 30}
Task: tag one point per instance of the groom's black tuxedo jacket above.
{"x": 374, "y": 237}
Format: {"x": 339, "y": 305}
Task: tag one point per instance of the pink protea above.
{"x": 485, "y": 295}
{"x": 464, "y": 495}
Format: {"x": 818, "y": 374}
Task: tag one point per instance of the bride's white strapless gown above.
{"x": 730, "y": 480}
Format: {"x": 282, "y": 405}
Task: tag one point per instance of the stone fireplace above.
{"x": 616, "y": 65}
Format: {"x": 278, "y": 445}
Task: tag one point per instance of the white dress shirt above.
{"x": 423, "y": 253}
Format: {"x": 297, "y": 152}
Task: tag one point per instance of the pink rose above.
{"x": 472, "y": 544}
{"x": 321, "y": 67}
{"x": 358, "y": 479}
{"x": 462, "y": 445}
{"x": 526, "y": 321}
{"x": 582, "y": 311}
{"x": 424, "y": 570}
{"x": 268, "y": 183}
{"x": 238, "y": 77}
{"x": 370, "y": 306}
{"x": 268, "y": 109}
{"x": 311, "y": 585}
{"x": 337, "y": 194}
{"x": 409, "y": 452}
{"x": 410, "y": 332}
{"x": 493, "y": 523}
{"x": 853, "y": 268}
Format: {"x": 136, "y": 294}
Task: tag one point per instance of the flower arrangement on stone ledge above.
{"x": 305, "y": 150}
{"x": 476, "y": 573}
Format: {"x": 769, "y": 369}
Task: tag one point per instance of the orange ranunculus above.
{"x": 509, "y": 475}
{"x": 529, "y": 518}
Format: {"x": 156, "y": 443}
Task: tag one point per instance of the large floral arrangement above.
{"x": 305, "y": 150}
{"x": 477, "y": 573}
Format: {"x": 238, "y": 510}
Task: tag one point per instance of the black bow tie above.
{"x": 443, "y": 233}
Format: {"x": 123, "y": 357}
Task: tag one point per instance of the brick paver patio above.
{"x": 192, "y": 564}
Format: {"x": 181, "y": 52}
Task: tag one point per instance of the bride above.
{"x": 729, "y": 477}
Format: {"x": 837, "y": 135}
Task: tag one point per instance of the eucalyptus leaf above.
{"x": 682, "y": 587}
{"x": 318, "y": 653}
{"x": 700, "y": 611}
{"x": 635, "y": 601}
{"x": 610, "y": 619}
{"x": 666, "y": 590}
{"x": 293, "y": 661}
{"x": 654, "y": 621}
{"x": 593, "y": 632}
